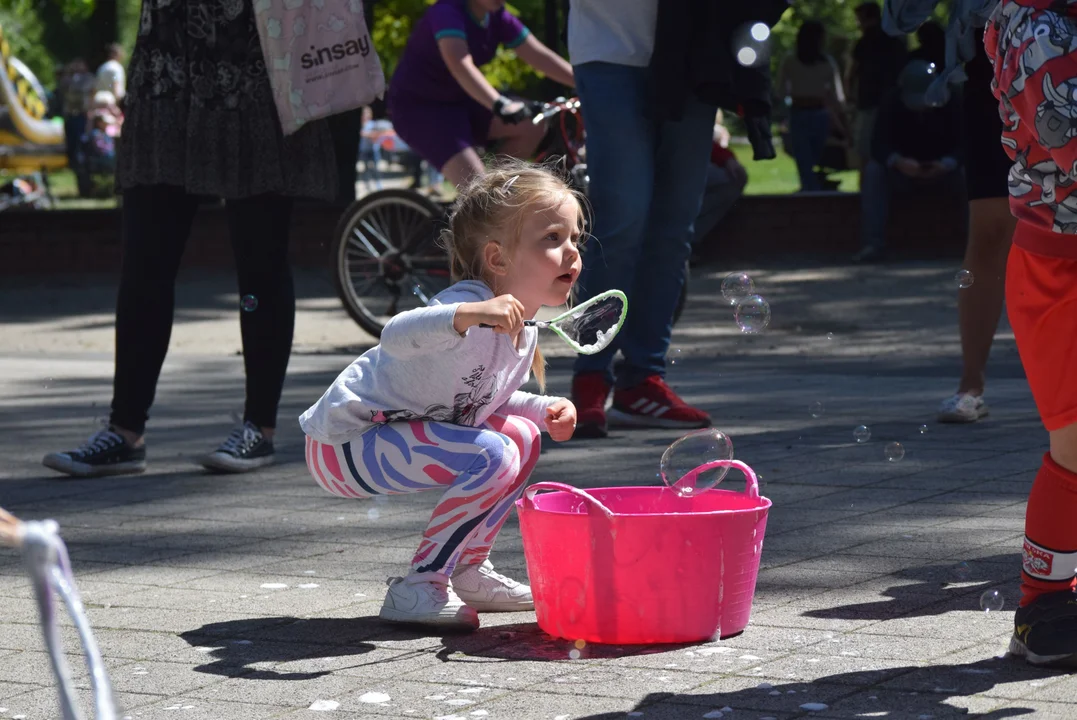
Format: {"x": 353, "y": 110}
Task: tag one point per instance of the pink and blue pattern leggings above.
{"x": 481, "y": 471}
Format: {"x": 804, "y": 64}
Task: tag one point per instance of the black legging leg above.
{"x": 260, "y": 229}
{"x": 156, "y": 221}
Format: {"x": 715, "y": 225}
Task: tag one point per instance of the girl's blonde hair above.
{"x": 492, "y": 207}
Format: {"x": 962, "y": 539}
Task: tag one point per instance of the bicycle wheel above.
{"x": 385, "y": 258}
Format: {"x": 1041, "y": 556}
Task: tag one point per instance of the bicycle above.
{"x": 385, "y": 256}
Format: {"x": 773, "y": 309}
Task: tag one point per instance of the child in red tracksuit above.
{"x": 1033, "y": 46}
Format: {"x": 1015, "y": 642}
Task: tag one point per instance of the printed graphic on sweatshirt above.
{"x": 465, "y": 408}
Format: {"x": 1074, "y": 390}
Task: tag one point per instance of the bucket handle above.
{"x": 529, "y": 495}
{"x": 751, "y": 485}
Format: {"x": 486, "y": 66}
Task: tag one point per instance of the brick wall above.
{"x": 761, "y": 228}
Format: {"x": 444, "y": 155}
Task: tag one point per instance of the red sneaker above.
{"x": 589, "y": 394}
{"x": 652, "y": 403}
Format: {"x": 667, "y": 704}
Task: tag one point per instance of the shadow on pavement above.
{"x": 921, "y": 692}
{"x": 956, "y": 585}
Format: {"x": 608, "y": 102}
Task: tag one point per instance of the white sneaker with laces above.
{"x": 427, "y": 599}
{"x": 488, "y": 591}
{"x": 962, "y": 408}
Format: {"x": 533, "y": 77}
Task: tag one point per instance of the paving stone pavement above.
{"x": 257, "y": 596}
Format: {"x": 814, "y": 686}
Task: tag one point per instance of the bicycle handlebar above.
{"x": 557, "y": 106}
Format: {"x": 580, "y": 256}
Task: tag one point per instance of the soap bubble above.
{"x": 747, "y": 56}
{"x": 962, "y": 572}
{"x": 894, "y": 452}
{"x": 830, "y": 336}
{"x": 373, "y": 514}
{"x": 674, "y": 356}
{"x": 817, "y": 409}
{"x": 923, "y": 429}
{"x": 249, "y": 303}
{"x": 862, "y": 433}
{"x": 574, "y": 654}
{"x": 992, "y": 601}
{"x": 580, "y": 644}
{"x": 752, "y": 314}
{"x": 751, "y": 44}
{"x": 736, "y": 286}
{"x": 688, "y": 453}
{"x": 964, "y": 279}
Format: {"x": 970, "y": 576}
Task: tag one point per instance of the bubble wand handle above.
{"x": 751, "y": 485}
{"x": 527, "y": 323}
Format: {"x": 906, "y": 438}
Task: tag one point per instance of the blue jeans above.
{"x": 808, "y": 130}
{"x": 645, "y": 190}
{"x": 880, "y": 183}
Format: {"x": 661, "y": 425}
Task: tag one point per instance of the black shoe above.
{"x": 245, "y": 449}
{"x": 105, "y": 453}
{"x": 1045, "y": 631}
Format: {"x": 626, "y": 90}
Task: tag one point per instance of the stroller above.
{"x": 25, "y": 192}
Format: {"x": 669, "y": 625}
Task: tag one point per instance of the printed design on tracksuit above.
{"x": 482, "y": 471}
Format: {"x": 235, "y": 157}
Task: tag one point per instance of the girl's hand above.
{"x": 505, "y": 314}
{"x": 561, "y": 420}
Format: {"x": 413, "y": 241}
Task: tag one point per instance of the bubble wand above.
{"x": 589, "y": 327}
{"x": 47, "y": 563}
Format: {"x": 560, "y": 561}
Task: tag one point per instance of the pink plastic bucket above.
{"x": 630, "y": 565}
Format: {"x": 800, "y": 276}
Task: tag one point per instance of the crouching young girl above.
{"x": 437, "y": 405}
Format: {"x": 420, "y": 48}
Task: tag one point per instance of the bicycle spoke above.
{"x": 384, "y": 224}
{"x": 379, "y": 235}
{"x": 366, "y": 243}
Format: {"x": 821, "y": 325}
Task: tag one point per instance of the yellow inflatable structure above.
{"x": 28, "y": 141}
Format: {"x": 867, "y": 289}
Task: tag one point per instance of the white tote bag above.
{"x": 319, "y": 57}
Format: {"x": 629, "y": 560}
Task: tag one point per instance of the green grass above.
{"x": 779, "y": 176}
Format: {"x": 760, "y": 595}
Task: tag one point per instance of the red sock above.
{"x": 1050, "y": 553}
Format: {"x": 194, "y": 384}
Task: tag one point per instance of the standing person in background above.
{"x": 111, "y": 76}
{"x": 200, "y": 122}
{"x": 915, "y": 148}
{"x": 647, "y": 179}
{"x": 77, "y": 88}
{"x": 810, "y": 80}
{"x": 876, "y": 62}
{"x": 991, "y": 224}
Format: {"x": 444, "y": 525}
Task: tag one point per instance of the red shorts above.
{"x": 1041, "y": 302}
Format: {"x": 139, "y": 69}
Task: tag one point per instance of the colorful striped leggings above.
{"x": 482, "y": 471}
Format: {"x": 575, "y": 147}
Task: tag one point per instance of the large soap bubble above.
{"x": 695, "y": 449}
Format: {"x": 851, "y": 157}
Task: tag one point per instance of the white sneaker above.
{"x": 427, "y": 599}
{"x": 487, "y": 591}
{"x": 962, "y": 408}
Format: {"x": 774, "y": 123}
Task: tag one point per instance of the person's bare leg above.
{"x": 520, "y": 140}
{"x": 979, "y": 306}
{"x": 463, "y": 166}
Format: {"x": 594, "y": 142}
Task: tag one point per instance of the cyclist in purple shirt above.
{"x": 439, "y": 101}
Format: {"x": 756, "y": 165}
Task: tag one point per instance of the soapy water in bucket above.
{"x": 693, "y": 451}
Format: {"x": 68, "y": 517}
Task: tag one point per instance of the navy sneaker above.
{"x": 244, "y": 450}
{"x": 1045, "y": 631}
{"x": 105, "y": 453}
